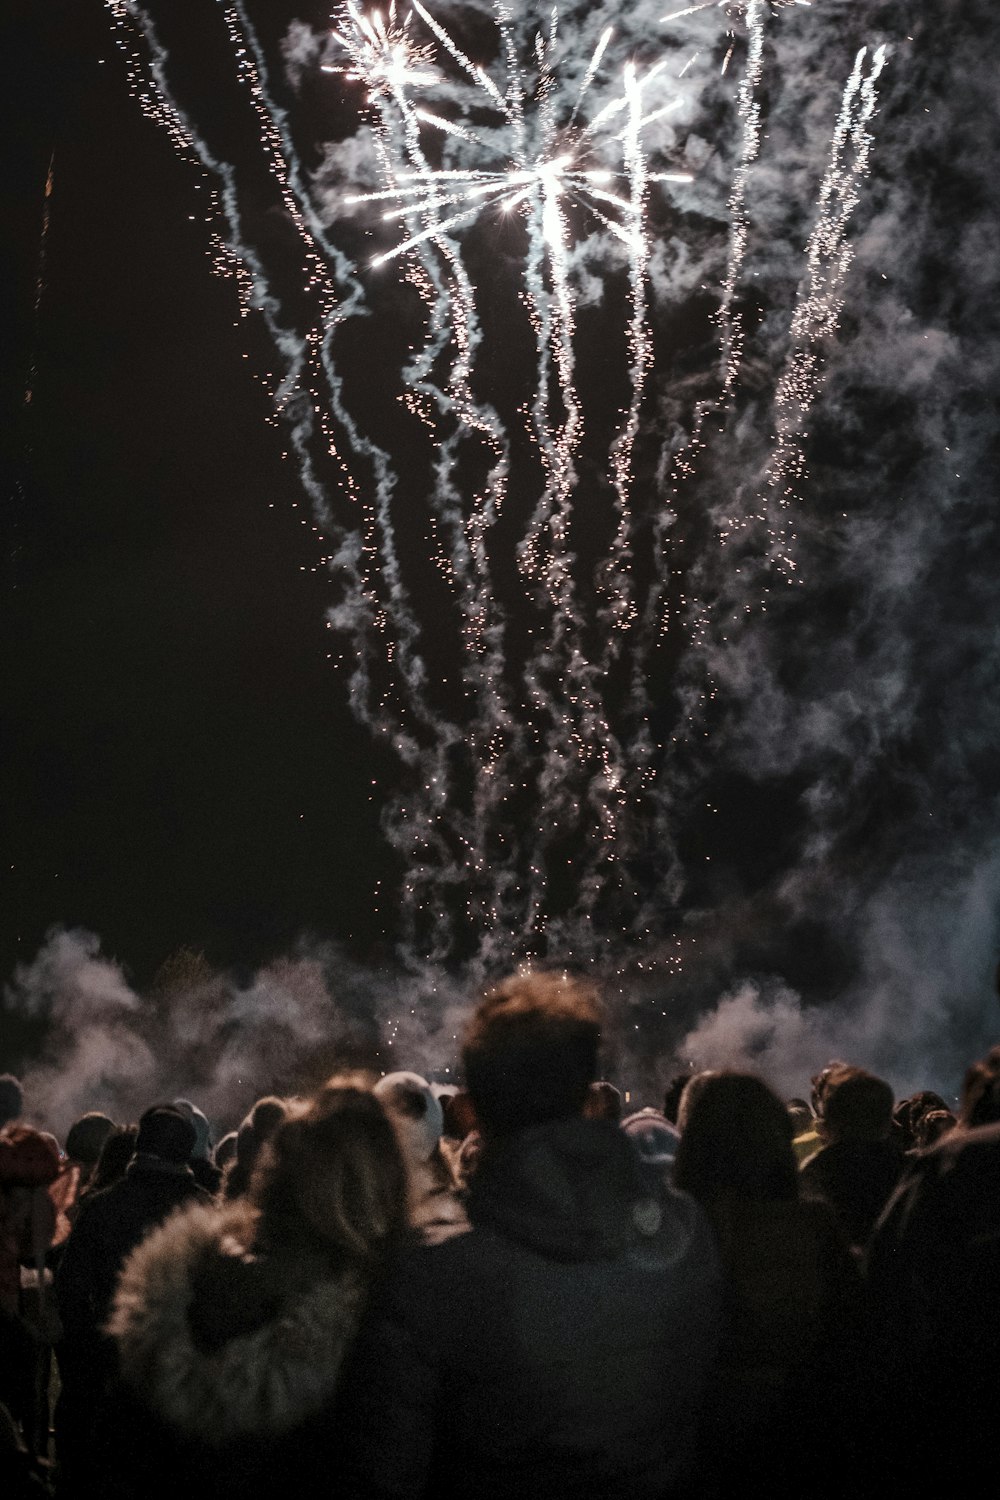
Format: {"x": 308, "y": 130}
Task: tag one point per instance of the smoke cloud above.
{"x": 201, "y": 1033}
{"x": 811, "y": 862}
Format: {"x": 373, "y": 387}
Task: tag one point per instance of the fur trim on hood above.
{"x": 271, "y": 1367}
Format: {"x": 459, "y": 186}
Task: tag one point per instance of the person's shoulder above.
{"x": 962, "y": 1153}
{"x": 427, "y": 1274}
{"x": 976, "y": 1138}
{"x": 814, "y": 1165}
{"x": 94, "y": 1206}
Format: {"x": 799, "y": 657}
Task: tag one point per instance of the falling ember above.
{"x": 534, "y": 809}
{"x": 390, "y": 59}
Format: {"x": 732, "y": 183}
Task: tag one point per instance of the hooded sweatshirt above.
{"x": 558, "y": 1347}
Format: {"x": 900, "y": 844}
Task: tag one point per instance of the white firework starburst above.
{"x": 536, "y": 161}
{"x": 382, "y": 52}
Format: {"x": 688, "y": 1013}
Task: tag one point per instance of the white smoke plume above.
{"x": 200, "y": 1033}
{"x": 922, "y": 1009}
{"x": 806, "y": 759}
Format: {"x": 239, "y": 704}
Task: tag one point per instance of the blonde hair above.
{"x": 333, "y": 1174}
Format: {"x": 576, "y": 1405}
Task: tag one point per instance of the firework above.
{"x": 567, "y": 155}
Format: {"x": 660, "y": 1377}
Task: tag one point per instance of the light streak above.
{"x": 566, "y": 154}
{"x": 821, "y": 299}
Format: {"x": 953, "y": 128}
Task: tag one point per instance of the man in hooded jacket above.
{"x": 109, "y": 1226}
{"x": 560, "y": 1346}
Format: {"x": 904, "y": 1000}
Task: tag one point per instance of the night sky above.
{"x": 180, "y": 766}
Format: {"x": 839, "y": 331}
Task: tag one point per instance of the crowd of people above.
{"x": 514, "y": 1288}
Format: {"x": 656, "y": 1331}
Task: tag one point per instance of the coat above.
{"x": 559, "y": 1347}
{"x": 229, "y": 1356}
{"x": 933, "y": 1266}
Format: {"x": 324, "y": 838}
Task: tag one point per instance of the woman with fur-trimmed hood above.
{"x": 232, "y": 1322}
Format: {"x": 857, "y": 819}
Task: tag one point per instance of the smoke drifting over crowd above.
{"x": 644, "y": 389}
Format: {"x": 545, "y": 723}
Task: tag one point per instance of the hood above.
{"x": 221, "y": 1344}
{"x": 571, "y": 1189}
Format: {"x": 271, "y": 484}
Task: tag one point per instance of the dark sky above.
{"x": 179, "y": 764}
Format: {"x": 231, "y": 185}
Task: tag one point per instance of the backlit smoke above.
{"x": 533, "y": 766}
{"x": 656, "y": 534}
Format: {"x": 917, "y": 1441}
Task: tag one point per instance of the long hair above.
{"x": 737, "y": 1143}
{"x": 332, "y": 1176}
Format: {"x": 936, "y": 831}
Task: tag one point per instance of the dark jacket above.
{"x": 557, "y": 1348}
{"x": 934, "y": 1277}
{"x": 856, "y": 1178}
{"x": 109, "y": 1226}
{"x": 789, "y": 1378}
{"x": 229, "y": 1354}
{"x": 934, "y": 1261}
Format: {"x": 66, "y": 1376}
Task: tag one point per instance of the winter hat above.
{"x": 203, "y": 1131}
{"x": 167, "y": 1133}
{"x": 416, "y": 1113}
{"x": 28, "y": 1157}
{"x": 11, "y": 1098}
{"x": 653, "y": 1137}
{"x": 86, "y": 1137}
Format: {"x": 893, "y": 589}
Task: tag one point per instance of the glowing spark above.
{"x": 591, "y": 73}
{"x": 544, "y": 752}
{"x": 384, "y": 56}
{"x": 817, "y": 310}
{"x": 478, "y": 75}
{"x": 451, "y": 127}
{"x": 692, "y": 10}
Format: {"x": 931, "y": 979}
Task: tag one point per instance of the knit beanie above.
{"x": 653, "y": 1137}
{"x": 419, "y": 1119}
{"x": 167, "y": 1133}
{"x": 202, "y": 1129}
{"x": 87, "y": 1136}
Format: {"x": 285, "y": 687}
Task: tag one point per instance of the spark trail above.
{"x": 820, "y": 301}
{"x": 527, "y": 750}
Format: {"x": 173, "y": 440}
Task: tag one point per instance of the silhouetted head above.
{"x": 922, "y": 1104}
{"x": 116, "y": 1153}
{"x": 692, "y": 1089}
{"x": 459, "y": 1115}
{"x": 530, "y": 1052}
{"x": 737, "y": 1143}
{"x": 857, "y": 1106}
{"x": 932, "y": 1125}
{"x": 332, "y": 1175}
{"x": 86, "y": 1137}
{"x": 672, "y": 1095}
{"x": 820, "y": 1082}
{"x": 202, "y": 1129}
{"x": 167, "y": 1134}
{"x": 981, "y": 1091}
